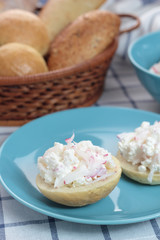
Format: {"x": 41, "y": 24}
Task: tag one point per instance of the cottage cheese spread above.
{"x": 155, "y": 68}
{"x": 75, "y": 164}
{"x": 142, "y": 147}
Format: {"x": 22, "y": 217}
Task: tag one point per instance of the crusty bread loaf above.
{"x": 83, "y": 39}
{"x": 18, "y": 59}
{"x": 82, "y": 195}
{"x": 23, "y": 27}
{"x": 57, "y": 14}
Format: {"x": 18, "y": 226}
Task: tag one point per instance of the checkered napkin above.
{"x": 18, "y": 222}
{"x": 148, "y": 12}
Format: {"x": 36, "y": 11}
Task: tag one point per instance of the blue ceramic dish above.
{"x": 143, "y": 53}
{"x": 129, "y": 202}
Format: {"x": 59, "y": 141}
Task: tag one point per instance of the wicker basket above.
{"x": 25, "y": 98}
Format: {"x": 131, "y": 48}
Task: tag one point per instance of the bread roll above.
{"x": 57, "y": 14}
{"x": 132, "y": 172}
{"x": 19, "y": 59}
{"x": 82, "y": 195}
{"x": 23, "y": 27}
{"x": 83, "y": 39}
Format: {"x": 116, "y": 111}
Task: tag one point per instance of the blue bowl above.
{"x": 143, "y": 53}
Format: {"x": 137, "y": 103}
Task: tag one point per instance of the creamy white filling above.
{"x": 142, "y": 147}
{"x": 155, "y": 68}
{"x": 75, "y": 163}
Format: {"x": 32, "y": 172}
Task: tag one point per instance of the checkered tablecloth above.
{"x": 17, "y": 222}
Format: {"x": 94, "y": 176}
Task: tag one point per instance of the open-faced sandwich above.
{"x": 77, "y": 174}
{"x": 139, "y": 153}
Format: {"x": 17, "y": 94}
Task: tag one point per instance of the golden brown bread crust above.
{"x": 83, "y": 195}
{"x": 18, "y": 60}
{"x": 23, "y": 27}
{"x": 57, "y": 14}
{"x": 83, "y": 39}
{"x": 132, "y": 172}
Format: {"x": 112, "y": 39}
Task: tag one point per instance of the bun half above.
{"x": 132, "y": 172}
{"x": 82, "y": 195}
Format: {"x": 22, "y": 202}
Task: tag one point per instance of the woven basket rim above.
{"x": 20, "y": 80}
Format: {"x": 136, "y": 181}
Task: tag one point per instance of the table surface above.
{"x": 17, "y": 222}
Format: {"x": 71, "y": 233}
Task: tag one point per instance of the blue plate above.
{"x": 129, "y": 202}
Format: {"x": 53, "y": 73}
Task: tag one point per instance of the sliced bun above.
{"x": 19, "y": 59}
{"x": 86, "y": 37}
{"x": 132, "y": 172}
{"x": 57, "y": 14}
{"x": 83, "y": 195}
{"x": 23, "y": 27}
